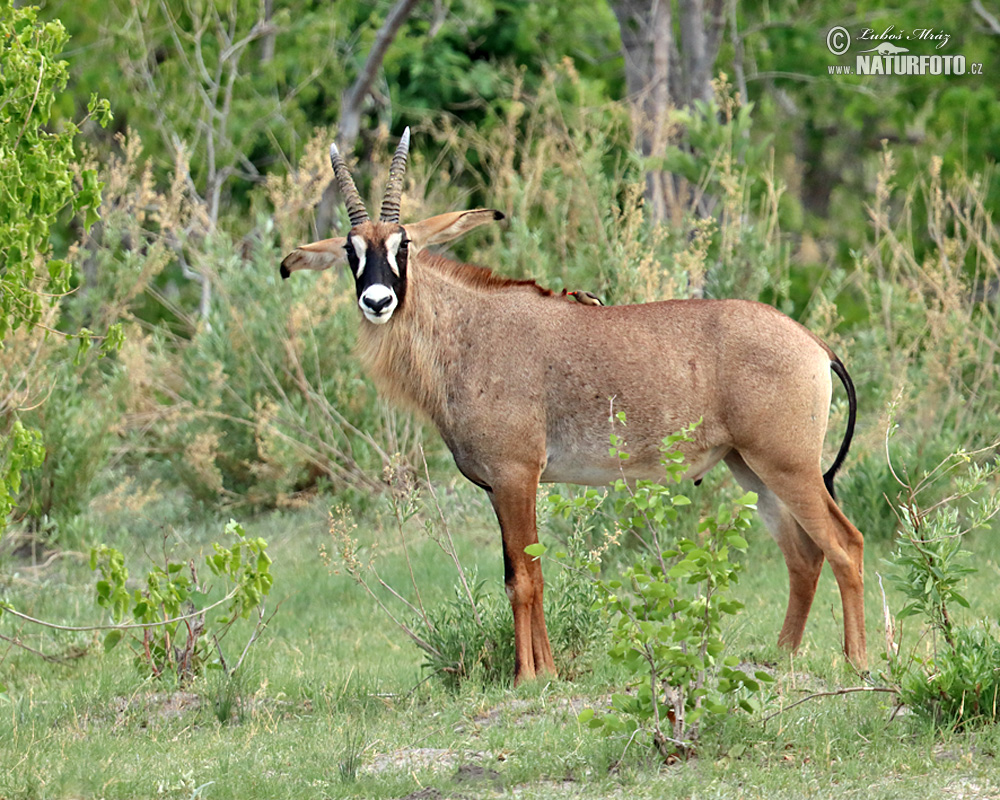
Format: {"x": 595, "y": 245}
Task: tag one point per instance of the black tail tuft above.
{"x": 852, "y": 412}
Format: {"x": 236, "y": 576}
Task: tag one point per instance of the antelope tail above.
{"x": 852, "y": 412}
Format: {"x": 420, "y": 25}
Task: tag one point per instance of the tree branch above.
{"x": 991, "y": 21}
{"x": 350, "y": 104}
{"x": 837, "y": 693}
{"x": 124, "y": 626}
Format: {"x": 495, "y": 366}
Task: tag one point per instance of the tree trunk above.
{"x": 268, "y": 41}
{"x": 663, "y": 73}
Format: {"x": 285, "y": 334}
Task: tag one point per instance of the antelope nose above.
{"x": 378, "y": 304}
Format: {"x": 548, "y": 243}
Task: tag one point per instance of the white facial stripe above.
{"x": 392, "y": 242}
{"x": 361, "y": 250}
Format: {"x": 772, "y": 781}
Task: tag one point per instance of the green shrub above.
{"x": 170, "y": 630}
{"x": 952, "y": 675}
{"x": 77, "y": 424}
{"x": 668, "y": 609}
{"x": 42, "y": 179}
{"x": 960, "y": 686}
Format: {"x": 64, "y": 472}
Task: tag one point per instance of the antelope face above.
{"x": 377, "y": 253}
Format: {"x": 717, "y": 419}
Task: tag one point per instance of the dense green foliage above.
{"x": 517, "y": 105}
{"x": 40, "y": 180}
{"x": 36, "y": 164}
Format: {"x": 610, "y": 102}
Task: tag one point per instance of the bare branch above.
{"x": 13, "y": 640}
{"x": 125, "y": 626}
{"x": 350, "y": 105}
{"x": 991, "y": 21}
{"x": 836, "y": 693}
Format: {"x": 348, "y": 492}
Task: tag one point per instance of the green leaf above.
{"x": 111, "y": 640}
{"x": 535, "y": 550}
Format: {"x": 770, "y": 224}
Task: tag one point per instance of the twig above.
{"x": 44, "y": 656}
{"x": 628, "y": 744}
{"x": 31, "y": 108}
{"x": 6, "y": 609}
{"x": 835, "y": 693}
{"x": 257, "y": 631}
{"x": 398, "y": 512}
{"x": 427, "y": 647}
{"x": 450, "y": 550}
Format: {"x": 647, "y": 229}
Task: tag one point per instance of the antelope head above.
{"x": 380, "y": 253}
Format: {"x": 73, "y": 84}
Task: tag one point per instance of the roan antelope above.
{"x": 518, "y": 380}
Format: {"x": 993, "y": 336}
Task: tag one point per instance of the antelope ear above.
{"x": 317, "y": 255}
{"x": 445, "y": 227}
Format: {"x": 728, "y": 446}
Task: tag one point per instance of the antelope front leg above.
{"x": 514, "y": 504}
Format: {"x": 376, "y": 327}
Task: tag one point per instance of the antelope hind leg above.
{"x": 802, "y": 558}
{"x": 820, "y": 521}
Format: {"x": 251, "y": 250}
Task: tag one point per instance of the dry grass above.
{"x": 930, "y": 278}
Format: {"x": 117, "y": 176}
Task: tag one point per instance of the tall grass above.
{"x": 927, "y": 355}
{"x": 930, "y": 276}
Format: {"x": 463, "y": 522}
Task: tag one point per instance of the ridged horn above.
{"x": 394, "y": 188}
{"x": 355, "y": 206}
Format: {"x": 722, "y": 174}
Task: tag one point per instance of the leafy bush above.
{"x": 669, "y": 610}
{"x": 41, "y": 180}
{"x": 960, "y": 686}
{"x": 172, "y": 634}
{"x": 956, "y": 683}
{"x": 76, "y": 423}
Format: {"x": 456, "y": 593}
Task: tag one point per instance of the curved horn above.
{"x": 394, "y": 188}
{"x": 355, "y": 206}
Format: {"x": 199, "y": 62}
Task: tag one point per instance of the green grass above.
{"x": 334, "y": 702}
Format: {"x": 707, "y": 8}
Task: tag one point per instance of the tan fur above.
{"x": 520, "y": 383}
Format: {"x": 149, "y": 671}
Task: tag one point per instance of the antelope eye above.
{"x": 349, "y": 248}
